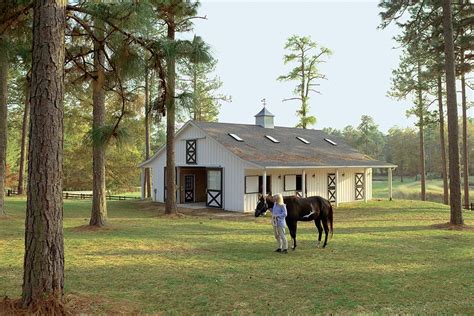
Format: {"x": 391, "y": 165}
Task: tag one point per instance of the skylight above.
{"x": 272, "y": 139}
{"x": 236, "y": 137}
{"x": 302, "y": 140}
{"x": 330, "y": 142}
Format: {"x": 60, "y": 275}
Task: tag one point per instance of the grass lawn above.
{"x": 410, "y": 189}
{"x": 385, "y": 257}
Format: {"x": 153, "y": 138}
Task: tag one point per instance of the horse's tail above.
{"x": 330, "y": 219}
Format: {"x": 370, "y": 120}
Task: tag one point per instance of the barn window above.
{"x": 191, "y": 151}
{"x": 254, "y": 184}
{"x": 331, "y": 142}
{"x": 272, "y": 139}
{"x": 251, "y": 184}
{"x": 303, "y": 140}
{"x": 299, "y": 182}
{"x": 236, "y": 137}
{"x": 293, "y": 182}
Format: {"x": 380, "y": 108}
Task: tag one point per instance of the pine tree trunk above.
{"x": 465, "y": 151}
{"x": 44, "y": 248}
{"x": 24, "y": 136}
{"x": 422, "y": 136}
{"x": 3, "y": 120}
{"x": 147, "y": 135}
{"x": 170, "y": 207}
{"x": 442, "y": 142}
{"x": 197, "y": 109}
{"x": 453, "y": 128}
{"x": 401, "y": 172}
{"x": 99, "y": 203}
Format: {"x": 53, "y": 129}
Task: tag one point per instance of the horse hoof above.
{"x": 293, "y": 249}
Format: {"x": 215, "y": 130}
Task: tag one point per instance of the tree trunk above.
{"x": 3, "y": 120}
{"x": 442, "y": 141}
{"x": 465, "y": 151}
{"x": 147, "y": 135}
{"x": 24, "y": 136}
{"x": 422, "y": 136}
{"x": 453, "y": 128}
{"x": 401, "y": 173}
{"x": 99, "y": 203}
{"x": 43, "y": 277}
{"x": 170, "y": 207}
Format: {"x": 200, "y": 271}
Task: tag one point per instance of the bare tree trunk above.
{"x": 442, "y": 141}
{"x": 453, "y": 128}
{"x": 170, "y": 207}
{"x": 99, "y": 203}
{"x": 422, "y": 136}
{"x": 147, "y": 134}
{"x": 3, "y": 120}
{"x": 465, "y": 151}
{"x": 24, "y": 136}
{"x": 44, "y": 247}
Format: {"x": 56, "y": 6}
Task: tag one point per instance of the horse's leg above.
{"x": 326, "y": 232}
{"x": 292, "y": 227}
{"x": 317, "y": 222}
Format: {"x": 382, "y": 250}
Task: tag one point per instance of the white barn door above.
{"x": 214, "y": 188}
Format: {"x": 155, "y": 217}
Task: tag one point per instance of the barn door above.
{"x": 359, "y": 186}
{"x": 214, "y": 188}
{"x": 332, "y": 187}
{"x": 189, "y": 188}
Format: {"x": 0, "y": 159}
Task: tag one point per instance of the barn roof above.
{"x": 292, "y": 148}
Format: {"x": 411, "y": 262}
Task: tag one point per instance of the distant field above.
{"x": 384, "y": 258}
{"x": 410, "y": 189}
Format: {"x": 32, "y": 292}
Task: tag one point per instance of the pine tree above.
{"x": 44, "y": 248}
{"x": 204, "y": 101}
{"x": 177, "y": 15}
{"x": 455, "y": 180}
{"x": 4, "y": 63}
{"x": 307, "y": 55}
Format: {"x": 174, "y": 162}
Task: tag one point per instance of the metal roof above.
{"x": 290, "y": 151}
{"x": 264, "y": 112}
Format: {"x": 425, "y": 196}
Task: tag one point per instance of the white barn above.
{"x": 227, "y": 165}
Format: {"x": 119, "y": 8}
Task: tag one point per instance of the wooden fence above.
{"x": 83, "y": 196}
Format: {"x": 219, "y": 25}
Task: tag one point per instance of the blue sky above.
{"x": 247, "y": 37}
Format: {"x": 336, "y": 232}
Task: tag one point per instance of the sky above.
{"x": 248, "y": 38}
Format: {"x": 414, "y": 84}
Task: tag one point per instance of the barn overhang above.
{"x": 303, "y": 170}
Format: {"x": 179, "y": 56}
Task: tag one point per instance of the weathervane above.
{"x": 264, "y": 101}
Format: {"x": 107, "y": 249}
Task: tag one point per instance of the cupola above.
{"x": 264, "y": 118}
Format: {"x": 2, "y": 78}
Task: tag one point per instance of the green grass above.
{"x": 385, "y": 257}
{"x": 410, "y": 189}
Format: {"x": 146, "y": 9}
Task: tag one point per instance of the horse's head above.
{"x": 262, "y": 206}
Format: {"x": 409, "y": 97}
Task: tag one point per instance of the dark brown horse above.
{"x": 314, "y": 208}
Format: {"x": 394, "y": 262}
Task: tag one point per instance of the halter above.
{"x": 265, "y": 207}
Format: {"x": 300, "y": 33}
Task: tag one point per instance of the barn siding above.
{"x": 209, "y": 154}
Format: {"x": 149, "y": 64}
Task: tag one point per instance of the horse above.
{"x": 314, "y": 208}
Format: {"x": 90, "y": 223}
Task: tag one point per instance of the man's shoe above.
{"x": 285, "y": 251}
{"x": 278, "y": 250}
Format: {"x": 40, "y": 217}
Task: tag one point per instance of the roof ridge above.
{"x": 242, "y": 124}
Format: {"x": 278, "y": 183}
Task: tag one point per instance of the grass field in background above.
{"x": 410, "y": 189}
{"x": 385, "y": 257}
